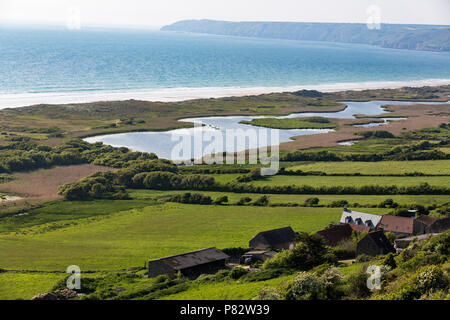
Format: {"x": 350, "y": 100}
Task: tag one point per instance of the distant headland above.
{"x": 397, "y": 36}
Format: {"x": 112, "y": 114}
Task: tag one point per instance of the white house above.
{"x": 360, "y": 218}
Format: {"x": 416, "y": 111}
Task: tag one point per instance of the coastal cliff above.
{"x": 398, "y": 36}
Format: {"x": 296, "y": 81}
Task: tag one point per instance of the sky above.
{"x": 156, "y": 13}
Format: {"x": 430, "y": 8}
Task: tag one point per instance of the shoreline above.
{"x": 16, "y": 100}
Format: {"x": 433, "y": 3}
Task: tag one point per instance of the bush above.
{"x": 430, "y": 278}
{"x": 389, "y": 261}
{"x": 237, "y": 273}
{"x": 363, "y": 258}
{"x": 311, "y": 202}
{"x": 243, "y": 201}
{"x": 194, "y": 198}
{"x": 358, "y": 285}
{"x": 310, "y": 251}
{"x": 268, "y": 293}
{"x": 306, "y": 286}
{"x": 315, "y": 285}
{"x": 388, "y": 203}
{"x": 162, "y": 278}
{"x": 221, "y": 200}
{"x": 339, "y": 204}
{"x": 262, "y": 202}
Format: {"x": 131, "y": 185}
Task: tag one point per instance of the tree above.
{"x": 262, "y": 202}
{"x": 221, "y": 200}
{"x": 311, "y": 202}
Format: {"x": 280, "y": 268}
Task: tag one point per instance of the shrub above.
{"x": 430, "y": 278}
{"x": 339, "y": 204}
{"x": 268, "y": 293}
{"x": 358, "y": 285}
{"x": 221, "y": 200}
{"x": 243, "y": 201}
{"x": 306, "y": 286}
{"x": 311, "y": 202}
{"x": 162, "y": 278}
{"x": 262, "y": 202}
{"x": 363, "y": 258}
{"x": 389, "y": 261}
{"x": 237, "y": 273}
{"x": 194, "y": 198}
{"x": 388, "y": 203}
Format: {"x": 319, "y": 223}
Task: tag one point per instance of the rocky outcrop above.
{"x": 45, "y": 296}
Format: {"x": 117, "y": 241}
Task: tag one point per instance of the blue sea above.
{"x": 57, "y": 65}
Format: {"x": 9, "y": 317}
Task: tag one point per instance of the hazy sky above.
{"x": 161, "y": 12}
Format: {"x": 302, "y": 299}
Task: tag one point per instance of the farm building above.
{"x": 190, "y": 264}
{"x": 428, "y": 224}
{"x": 257, "y": 255}
{"x": 400, "y": 226}
{"x": 360, "y": 218}
{"x": 373, "y": 244}
{"x": 278, "y": 239}
{"x": 359, "y": 228}
{"x": 336, "y": 233}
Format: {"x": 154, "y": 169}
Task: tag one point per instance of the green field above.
{"x": 433, "y": 167}
{"x": 326, "y": 199}
{"x": 129, "y": 238}
{"x": 366, "y": 146}
{"x": 227, "y": 290}
{"x": 318, "y": 181}
{"x": 14, "y": 285}
{"x": 66, "y": 212}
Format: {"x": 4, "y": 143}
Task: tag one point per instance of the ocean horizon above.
{"x": 55, "y": 66}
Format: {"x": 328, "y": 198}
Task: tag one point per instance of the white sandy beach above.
{"x": 179, "y": 94}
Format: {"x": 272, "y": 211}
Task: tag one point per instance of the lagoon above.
{"x": 163, "y": 143}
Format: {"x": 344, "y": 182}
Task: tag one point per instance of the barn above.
{"x": 432, "y": 225}
{"x": 400, "y": 226}
{"x": 336, "y": 233}
{"x": 278, "y": 239}
{"x": 190, "y": 264}
{"x": 373, "y": 244}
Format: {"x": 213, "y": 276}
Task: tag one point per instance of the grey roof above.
{"x": 194, "y": 258}
{"x": 277, "y": 236}
{"x": 269, "y": 253}
{"x": 360, "y": 215}
{"x": 381, "y": 241}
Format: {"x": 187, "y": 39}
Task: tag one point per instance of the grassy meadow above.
{"x": 325, "y": 199}
{"x": 433, "y": 167}
{"x": 129, "y": 238}
{"x": 329, "y": 181}
{"x": 16, "y": 285}
{"x": 227, "y": 290}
